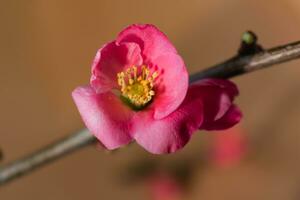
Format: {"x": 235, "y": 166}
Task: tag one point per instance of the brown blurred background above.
{"x": 46, "y": 50}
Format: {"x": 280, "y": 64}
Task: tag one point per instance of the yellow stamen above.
{"x": 137, "y": 87}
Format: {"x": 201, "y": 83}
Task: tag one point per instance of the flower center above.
{"x": 137, "y": 85}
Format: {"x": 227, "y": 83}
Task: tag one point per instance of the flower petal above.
{"x": 230, "y": 118}
{"x": 171, "y": 133}
{"x": 228, "y": 86}
{"x": 171, "y": 84}
{"x": 217, "y": 96}
{"x": 111, "y": 59}
{"x": 104, "y": 115}
{"x": 151, "y": 40}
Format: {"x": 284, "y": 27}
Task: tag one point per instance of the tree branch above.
{"x": 238, "y": 65}
{"x": 45, "y": 155}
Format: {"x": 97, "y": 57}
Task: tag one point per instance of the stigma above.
{"x": 136, "y": 85}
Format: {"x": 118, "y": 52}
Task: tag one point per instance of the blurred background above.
{"x": 46, "y": 49}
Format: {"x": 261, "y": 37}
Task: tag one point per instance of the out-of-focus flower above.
{"x": 164, "y": 187}
{"x": 139, "y": 91}
{"x": 228, "y": 147}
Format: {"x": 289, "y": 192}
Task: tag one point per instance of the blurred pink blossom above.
{"x": 229, "y": 147}
{"x": 163, "y": 187}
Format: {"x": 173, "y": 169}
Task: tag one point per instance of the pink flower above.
{"x": 228, "y": 147}
{"x": 164, "y": 187}
{"x": 139, "y": 91}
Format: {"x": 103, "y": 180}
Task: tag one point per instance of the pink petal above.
{"x": 228, "y": 86}
{"x": 171, "y": 84}
{"x": 111, "y": 59}
{"x": 104, "y": 115}
{"x": 171, "y": 133}
{"x": 230, "y": 118}
{"x": 219, "y": 111}
{"x": 151, "y": 40}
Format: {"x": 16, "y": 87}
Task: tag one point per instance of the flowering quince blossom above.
{"x": 164, "y": 187}
{"x": 139, "y": 91}
{"x": 229, "y": 147}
